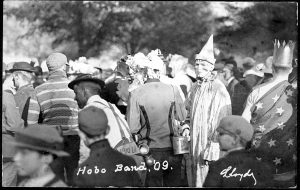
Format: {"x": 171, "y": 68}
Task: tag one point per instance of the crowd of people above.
{"x": 155, "y": 122}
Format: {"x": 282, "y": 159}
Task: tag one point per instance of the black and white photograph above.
{"x": 189, "y": 94}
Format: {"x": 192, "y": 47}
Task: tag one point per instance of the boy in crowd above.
{"x": 37, "y": 147}
{"x": 238, "y": 168}
{"x": 100, "y": 169}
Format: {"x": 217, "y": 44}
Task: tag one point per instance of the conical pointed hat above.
{"x": 207, "y": 52}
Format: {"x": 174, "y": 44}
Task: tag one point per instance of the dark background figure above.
{"x": 11, "y": 122}
{"x": 229, "y": 76}
{"x": 268, "y": 74}
{"x": 114, "y": 89}
{"x": 22, "y": 73}
{"x": 248, "y": 63}
{"x": 99, "y": 73}
{"x": 219, "y": 68}
{"x": 38, "y": 76}
{"x": 253, "y": 78}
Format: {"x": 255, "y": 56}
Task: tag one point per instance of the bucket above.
{"x": 181, "y": 145}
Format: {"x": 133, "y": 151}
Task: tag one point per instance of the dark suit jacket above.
{"x": 231, "y": 85}
{"x": 239, "y": 97}
{"x": 243, "y": 161}
{"x": 103, "y": 157}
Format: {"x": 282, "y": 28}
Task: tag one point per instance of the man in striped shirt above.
{"x": 54, "y": 103}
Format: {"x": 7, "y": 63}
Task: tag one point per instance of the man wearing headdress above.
{"x": 272, "y": 111}
{"x": 157, "y": 56}
{"x": 151, "y": 110}
{"x": 207, "y": 104}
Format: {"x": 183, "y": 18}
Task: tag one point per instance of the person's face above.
{"x": 131, "y": 72}
{"x": 80, "y": 96}
{"x": 203, "y": 68}
{"x": 16, "y": 80}
{"x": 28, "y": 162}
{"x": 227, "y": 73}
{"x": 221, "y": 76}
{"x": 226, "y": 141}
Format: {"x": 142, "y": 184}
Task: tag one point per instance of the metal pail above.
{"x": 181, "y": 145}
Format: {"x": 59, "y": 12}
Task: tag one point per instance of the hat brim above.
{"x": 28, "y": 70}
{"x": 76, "y": 81}
{"x": 58, "y": 153}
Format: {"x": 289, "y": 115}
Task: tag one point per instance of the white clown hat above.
{"x": 207, "y": 52}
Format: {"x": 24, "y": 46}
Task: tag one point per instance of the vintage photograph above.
{"x": 149, "y": 94}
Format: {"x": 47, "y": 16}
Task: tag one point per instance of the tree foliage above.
{"x": 84, "y": 28}
{"x": 170, "y": 26}
{"x": 256, "y": 27}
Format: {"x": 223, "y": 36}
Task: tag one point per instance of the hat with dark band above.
{"x": 86, "y": 78}
{"x": 22, "y": 66}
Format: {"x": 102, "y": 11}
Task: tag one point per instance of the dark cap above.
{"x": 22, "y": 66}
{"x": 248, "y": 63}
{"x": 92, "y": 121}
{"x": 236, "y": 125}
{"x": 40, "y": 137}
{"x": 86, "y": 78}
{"x": 219, "y": 67}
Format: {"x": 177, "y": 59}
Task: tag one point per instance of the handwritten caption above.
{"x": 232, "y": 174}
{"x": 121, "y": 168}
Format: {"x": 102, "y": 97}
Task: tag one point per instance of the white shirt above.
{"x": 229, "y": 80}
{"x": 114, "y": 135}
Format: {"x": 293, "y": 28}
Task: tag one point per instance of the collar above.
{"x": 234, "y": 149}
{"x": 24, "y": 87}
{"x": 99, "y": 144}
{"x": 209, "y": 77}
{"x": 230, "y": 79}
{"x": 40, "y": 181}
{"x": 94, "y": 98}
{"x": 57, "y": 74}
{"x": 152, "y": 80}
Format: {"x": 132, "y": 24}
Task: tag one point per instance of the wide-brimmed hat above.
{"x": 40, "y": 137}
{"x": 254, "y": 71}
{"x": 248, "y": 63}
{"x": 86, "y": 78}
{"x": 22, "y": 66}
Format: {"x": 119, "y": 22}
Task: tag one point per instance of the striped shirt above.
{"x": 55, "y": 101}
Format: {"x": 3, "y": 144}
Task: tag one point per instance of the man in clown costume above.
{"x": 207, "y": 103}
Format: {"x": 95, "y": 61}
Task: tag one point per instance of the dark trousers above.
{"x": 170, "y": 177}
{"x": 67, "y": 165}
